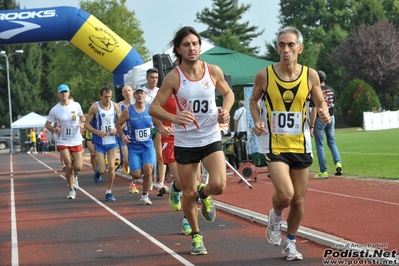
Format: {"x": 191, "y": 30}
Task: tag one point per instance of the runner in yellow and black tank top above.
{"x": 286, "y": 107}
{"x": 88, "y": 135}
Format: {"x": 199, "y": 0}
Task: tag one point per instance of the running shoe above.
{"x": 97, "y": 176}
{"x": 321, "y": 175}
{"x": 28, "y": 152}
{"x": 145, "y": 200}
{"x": 126, "y": 169}
{"x": 174, "y": 198}
{"x": 76, "y": 182}
{"x": 208, "y": 210}
{"x": 338, "y": 168}
{"x": 109, "y": 197}
{"x": 289, "y": 250}
{"x": 133, "y": 188}
{"x": 273, "y": 232}
{"x": 72, "y": 194}
{"x": 186, "y": 228}
{"x": 161, "y": 191}
{"x": 197, "y": 245}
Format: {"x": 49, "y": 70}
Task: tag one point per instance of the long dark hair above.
{"x": 179, "y": 36}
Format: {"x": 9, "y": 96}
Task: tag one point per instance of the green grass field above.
{"x": 367, "y": 154}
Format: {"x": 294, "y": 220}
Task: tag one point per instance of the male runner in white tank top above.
{"x": 197, "y": 133}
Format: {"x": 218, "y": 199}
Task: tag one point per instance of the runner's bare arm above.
{"x": 257, "y": 91}
{"x": 120, "y": 124}
{"x": 228, "y": 96}
{"x": 90, "y": 116}
{"x": 317, "y": 96}
{"x": 169, "y": 86}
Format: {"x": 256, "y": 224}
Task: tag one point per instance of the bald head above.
{"x": 126, "y": 88}
{"x": 127, "y": 93}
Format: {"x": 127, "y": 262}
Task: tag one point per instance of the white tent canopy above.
{"x": 136, "y": 76}
{"x": 31, "y": 120}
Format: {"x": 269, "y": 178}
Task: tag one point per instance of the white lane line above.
{"x": 134, "y": 227}
{"x": 354, "y": 197}
{"x": 371, "y": 154}
{"x": 120, "y": 217}
{"x": 344, "y": 195}
{"x": 11, "y": 167}
{"x": 14, "y": 235}
{"x": 45, "y": 165}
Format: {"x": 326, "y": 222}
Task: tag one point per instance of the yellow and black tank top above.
{"x": 284, "y": 108}
{"x": 88, "y": 135}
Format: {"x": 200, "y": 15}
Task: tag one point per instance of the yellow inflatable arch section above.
{"x": 74, "y": 25}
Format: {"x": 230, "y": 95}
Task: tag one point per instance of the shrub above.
{"x": 357, "y": 98}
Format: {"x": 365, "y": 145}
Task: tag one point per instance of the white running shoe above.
{"x": 72, "y": 194}
{"x": 145, "y": 200}
{"x": 273, "y": 231}
{"x": 289, "y": 250}
{"x": 76, "y": 182}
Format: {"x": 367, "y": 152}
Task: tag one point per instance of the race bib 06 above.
{"x": 142, "y": 134}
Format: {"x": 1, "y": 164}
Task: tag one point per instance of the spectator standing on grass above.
{"x": 318, "y": 129}
{"x": 279, "y": 107}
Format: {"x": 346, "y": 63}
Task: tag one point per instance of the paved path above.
{"x": 47, "y": 229}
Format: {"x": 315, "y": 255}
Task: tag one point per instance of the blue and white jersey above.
{"x": 139, "y": 127}
{"x": 104, "y": 120}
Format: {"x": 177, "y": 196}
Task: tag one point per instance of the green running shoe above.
{"x": 197, "y": 245}
{"x": 174, "y": 198}
{"x": 186, "y": 228}
{"x": 323, "y": 175}
{"x": 208, "y": 210}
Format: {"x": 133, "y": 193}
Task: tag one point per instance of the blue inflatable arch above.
{"x": 74, "y": 25}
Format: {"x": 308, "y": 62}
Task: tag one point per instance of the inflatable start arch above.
{"x": 74, "y": 25}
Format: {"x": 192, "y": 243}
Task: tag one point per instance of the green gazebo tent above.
{"x": 242, "y": 68}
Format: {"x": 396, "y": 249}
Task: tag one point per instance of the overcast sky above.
{"x": 160, "y": 21}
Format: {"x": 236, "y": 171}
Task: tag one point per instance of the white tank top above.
{"x": 198, "y": 96}
{"x": 105, "y": 121}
